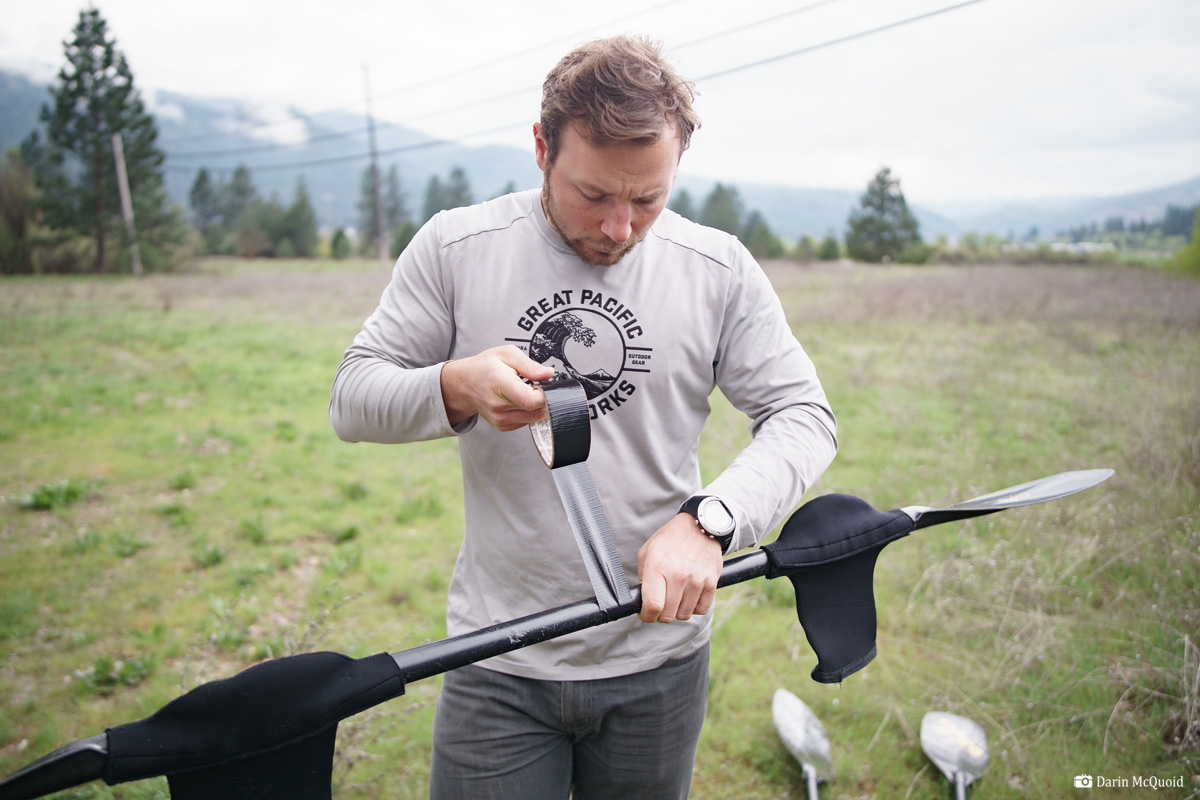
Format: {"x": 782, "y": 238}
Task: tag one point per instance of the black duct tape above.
{"x": 564, "y": 439}
{"x": 564, "y": 436}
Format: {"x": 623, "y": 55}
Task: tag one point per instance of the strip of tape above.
{"x": 563, "y": 440}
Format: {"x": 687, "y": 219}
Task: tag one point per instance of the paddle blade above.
{"x": 801, "y": 732}
{"x": 955, "y": 744}
{"x": 1025, "y": 494}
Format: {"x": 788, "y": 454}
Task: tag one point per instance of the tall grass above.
{"x": 190, "y": 411}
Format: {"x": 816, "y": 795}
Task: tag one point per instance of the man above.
{"x": 592, "y": 278}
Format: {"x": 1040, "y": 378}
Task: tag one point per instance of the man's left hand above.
{"x": 678, "y": 567}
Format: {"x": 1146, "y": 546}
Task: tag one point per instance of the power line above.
{"x": 755, "y": 24}
{"x": 832, "y": 42}
{"x": 709, "y": 76}
{"x": 492, "y": 98}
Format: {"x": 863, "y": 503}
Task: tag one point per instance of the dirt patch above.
{"x": 303, "y": 297}
{"x": 989, "y": 293}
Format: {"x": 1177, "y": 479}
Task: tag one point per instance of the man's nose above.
{"x": 617, "y": 223}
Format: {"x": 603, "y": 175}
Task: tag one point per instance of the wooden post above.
{"x": 126, "y": 202}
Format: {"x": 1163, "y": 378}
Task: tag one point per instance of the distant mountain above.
{"x": 331, "y": 158}
{"x": 221, "y": 134}
{"x": 21, "y": 101}
{"x": 1053, "y": 216}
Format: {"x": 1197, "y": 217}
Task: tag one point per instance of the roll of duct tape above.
{"x": 563, "y": 440}
{"x": 564, "y": 436}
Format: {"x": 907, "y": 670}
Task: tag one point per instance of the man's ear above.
{"x": 540, "y": 148}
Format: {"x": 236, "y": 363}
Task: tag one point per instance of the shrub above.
{"x": 49, "y": 496}
{"x": 106, "y": 675}
{"x": 339, "y": 247}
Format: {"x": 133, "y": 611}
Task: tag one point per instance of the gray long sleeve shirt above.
{"x": 686, "y": 310}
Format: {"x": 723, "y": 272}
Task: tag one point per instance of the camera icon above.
{"x": 1083, "y": 781}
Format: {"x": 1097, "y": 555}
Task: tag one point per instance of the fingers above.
{"x": 524, "y": 366}
{"x": 654, "y": 590}
{"x": 490, "y": 384}
{"x": 679, "y": 568}
{"x": 666, "y": 600}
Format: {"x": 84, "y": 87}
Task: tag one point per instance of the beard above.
{"x": 596, "y": 251}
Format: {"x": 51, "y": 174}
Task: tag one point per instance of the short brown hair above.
{"x": 620, "y": 89}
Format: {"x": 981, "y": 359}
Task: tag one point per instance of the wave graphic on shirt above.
{"x": 548, "y": 346}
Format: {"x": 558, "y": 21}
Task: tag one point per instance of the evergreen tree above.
{"x": 723, "y": 209}
{"x": 758, "y": 237}
{"x": 237, "y": 197}
{"x": 16, "y": 213}
{"x": 1178, "y": 220}
{"x": 300, "y": 223}
{"x": 830, "y": 249}
{"x": 434, "y": 198}
{"x": 882, "y": 226}
{"x": 95, "y": 99}
{"x": 368, "y": 221}
{"x": 1187, "y": 258}
{"x": 806, "y": 248}
{"x": 401, "y": 236}
{"x": 339, "y": 246}
{"x": 682, "y": 205}
{"x": 458, "y": 189}
{"x": 262, "y": 228}
{"x": 203, "y": 199}
{"x": 455, "y": 192}
{"x": 395, "y": 210}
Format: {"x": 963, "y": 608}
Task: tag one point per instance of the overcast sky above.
{"x": 997, "y": 99}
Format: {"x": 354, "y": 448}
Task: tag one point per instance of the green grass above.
{"x": 194, "y": 513}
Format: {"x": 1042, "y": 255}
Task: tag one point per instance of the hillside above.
{"x": 329, "y": 153}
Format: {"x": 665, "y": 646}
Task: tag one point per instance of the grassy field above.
{"x": 176, "y": 507}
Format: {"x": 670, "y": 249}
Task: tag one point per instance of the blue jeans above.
{"x": 634, "y": 736}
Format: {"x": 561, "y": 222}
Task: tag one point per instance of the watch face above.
{"x": 714, "y": 517}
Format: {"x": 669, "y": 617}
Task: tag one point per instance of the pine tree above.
{"x": 368, "y": 221}
{"x": 455, "y": 192}
{"x": 434, "y": 198}
{"x": 16, "y": 206}
{"x": 339, "y": 246}
{"x": 882, "y": 226}
{"x": 300, "y": 223}
{"x": 95, "y": 99}
{"x": 203, "y": 200}
{"x": 237, "y": 197}
{"x": 830, "y": 250}
{"x": 723, "y": 209}
{"x": 458, "y": 189}
{"x": 682, "y": 205}
{"x": 758, "y": 237}
{"x": 395, "y": 209}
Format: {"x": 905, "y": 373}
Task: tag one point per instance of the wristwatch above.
{"x": 712, "y": 516}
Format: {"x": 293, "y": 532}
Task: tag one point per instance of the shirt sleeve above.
{"x": 763, "y": 371}
{"x": 388, "y": 387}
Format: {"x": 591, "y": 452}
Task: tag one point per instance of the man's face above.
{"x": 603, "y": 200}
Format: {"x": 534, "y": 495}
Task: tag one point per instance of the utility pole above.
{"x": 381, "y": 239}
{"x": 126, "y": 202}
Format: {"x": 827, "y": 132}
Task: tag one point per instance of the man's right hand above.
{"x": 490, "y": 385}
